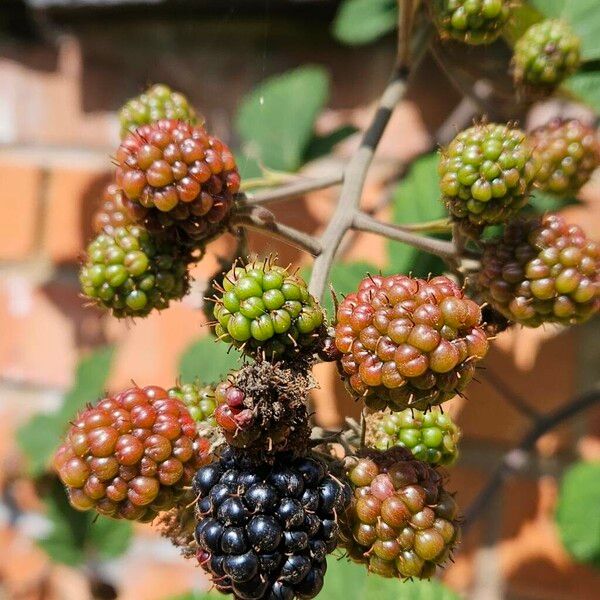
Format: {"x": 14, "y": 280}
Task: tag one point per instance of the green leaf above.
{"x": 584, "y": 17}
{"x": 578, "y": 512}
{"x": 321, "y": 145}
{"x": 586, "y": 86}
{"x": 523, "y": 17}
{"x": 541, "y": 203}
{"x": 38, "y": 438}
{"x": 109, "y": 538}
{"x": 207, "y": 360}
{"x": 276, "y": 120}
{"x": 347, "y": 580}
{"x": 247, "y": 166}
{"x": 550, "y": 8}
{"x": 364, "y": 21}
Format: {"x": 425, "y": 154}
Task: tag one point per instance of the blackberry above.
{"x": 184, "y": 177}
{"x": 199, "y": 400}
{"x": 408, "y": 342}
{"x": 263, "y": 408}
{"x": 263, "y": 539}
{"x": 132, "y": 272}
{"x": 471, "y": 21}
{"x": 568, "y": 153}
{"x": 542, "y": 270}
{"x": 156, "y": 103}
{"x": 431, "y": 436}
{"x": 546, "y": 54}
{"x": 487, "y": 173}
{"x": 130, "y": 456}
{"x": 115, "y": 211}
{"x": 266, "y": 310}
{"x": 402, "y": 523}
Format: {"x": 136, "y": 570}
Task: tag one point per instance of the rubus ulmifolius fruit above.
{"x": 546, "y": 54}
{"x": 264, "y": 530}
{"x": 131, "y": 455}
{"x": 183, "y": 176}
{"x": 132, "y": 272}
{"x": 471, "y": 21}
{"x": 264, "y": 309}
{"x": 402, "y": 522}
{"x": 115, "y": 211}
{"x": 431, "y": 436}
{"x": 568, "y": 153}
{"x": 199, "y": 399}
{"x": 543, "y": 270}
{"x": 487, "y": 173}
{"x": 156, "y": 103}
{"x": 408, "y": 342}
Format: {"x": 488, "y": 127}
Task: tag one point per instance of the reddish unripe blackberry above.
{"x": 487, "y": 173}
{"x": 131, "y": 455}
{"x": 266, "y": 310}
{"x": 156, "y": 103}
{"x": 402, "y": 523}
{"x": 181, "y": 174}
{"x": 115, "y": 211}
{"x": 132, "y": 272}
{"x": 543, "y": 270}
{"x": 408, "y": 342}
{"x": 199, "y": 400}
{"x": 568, "y": 153}
{"x": 471, "y": 21}
{"x": 431, "y": 436}
{"x": 264, "y": 530}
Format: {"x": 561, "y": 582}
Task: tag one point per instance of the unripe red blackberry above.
{"x": 568, "y": 153}
{"x": 431, "y": 436}
{"x": 131, "y": 455}
{"x": 542, "y": 270}
{"x": 132, "y": 273}
{"x": 156, "y": 103}
{"x": 116, "y": 211}
{"x": 264, "y": 309}
{"x": 199, "y": 400}
{"x": 487, "y": 172}
{"x": 408, "y": 342}
{"x": 181, "y": 174}
{"x": 402, "y": 523}
{"x": 471, "y": 21}
{"x": 547, "y": 53}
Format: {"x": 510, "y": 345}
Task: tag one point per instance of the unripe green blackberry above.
{"x": 568, "y": 153}
{"x": 431, "y": 436}
{"x": 487, "y": 172}
{"x": 546, "y": 54}
{"x": 199, "y": 399}
{"x": 471, "y": 21}
{"x": 266, "y": 309}
{"x": 132, "y": 273}
{"x": 132, "y": 455}
{"x": 542, "y": 270}
{"x": 408, "y": 342}
{"x": 183, "y": 176}
{"x": 158, "y": 102}
{"x": 402, "y": 523}
{"x": 116, "y": 211}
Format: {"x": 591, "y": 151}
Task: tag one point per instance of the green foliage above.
{"x": 523, "y": 17}
{"x": 276, "y": 120}
{"x": 584, "y": 17}
{"x": 77, "y": 536}
{"x": 364, "y": 21}
{"x": 321, "y": 145}
{"x": 586, "y": 86}
{"x": 578, "y": 512}
{"x": 39, "y": 437}
{"x": 207, "y": 359}
{"x": 541, "y": 203}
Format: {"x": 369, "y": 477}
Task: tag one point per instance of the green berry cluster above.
{"x": 199, "y": 399}
{"x": 265, "y": 308}
{"x": 487, "y": 172}
{"x": 158, "y": 102}
{"x": 131, "y": 273}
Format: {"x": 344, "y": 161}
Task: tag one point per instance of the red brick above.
{"x": 18, "y": 210}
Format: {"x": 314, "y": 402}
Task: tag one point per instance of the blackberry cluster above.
{"x": 487, "y": 172}
{"x": 402, "y": 523}
{"x": 199, "y": 399}
{"x": 115, "y": 211}
{"x": 132, "y": 272}
{"x": 182, "y": 175}
{"x": 264, "y": 531}
{"x": 156, "y": 103}
{"x": 131, "y": 455}
{"x": 471, "y": 21}
{"x": 568, "y": 153}
{"x": 431, "y": 436}
{"x": 408, "y": 342}
{"x": 266, "y": 310}
{"x": 546, "y": 54}
{"x": 542, "y": 270}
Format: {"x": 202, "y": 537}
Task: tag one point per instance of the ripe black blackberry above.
{"x": 264, "y": 530}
